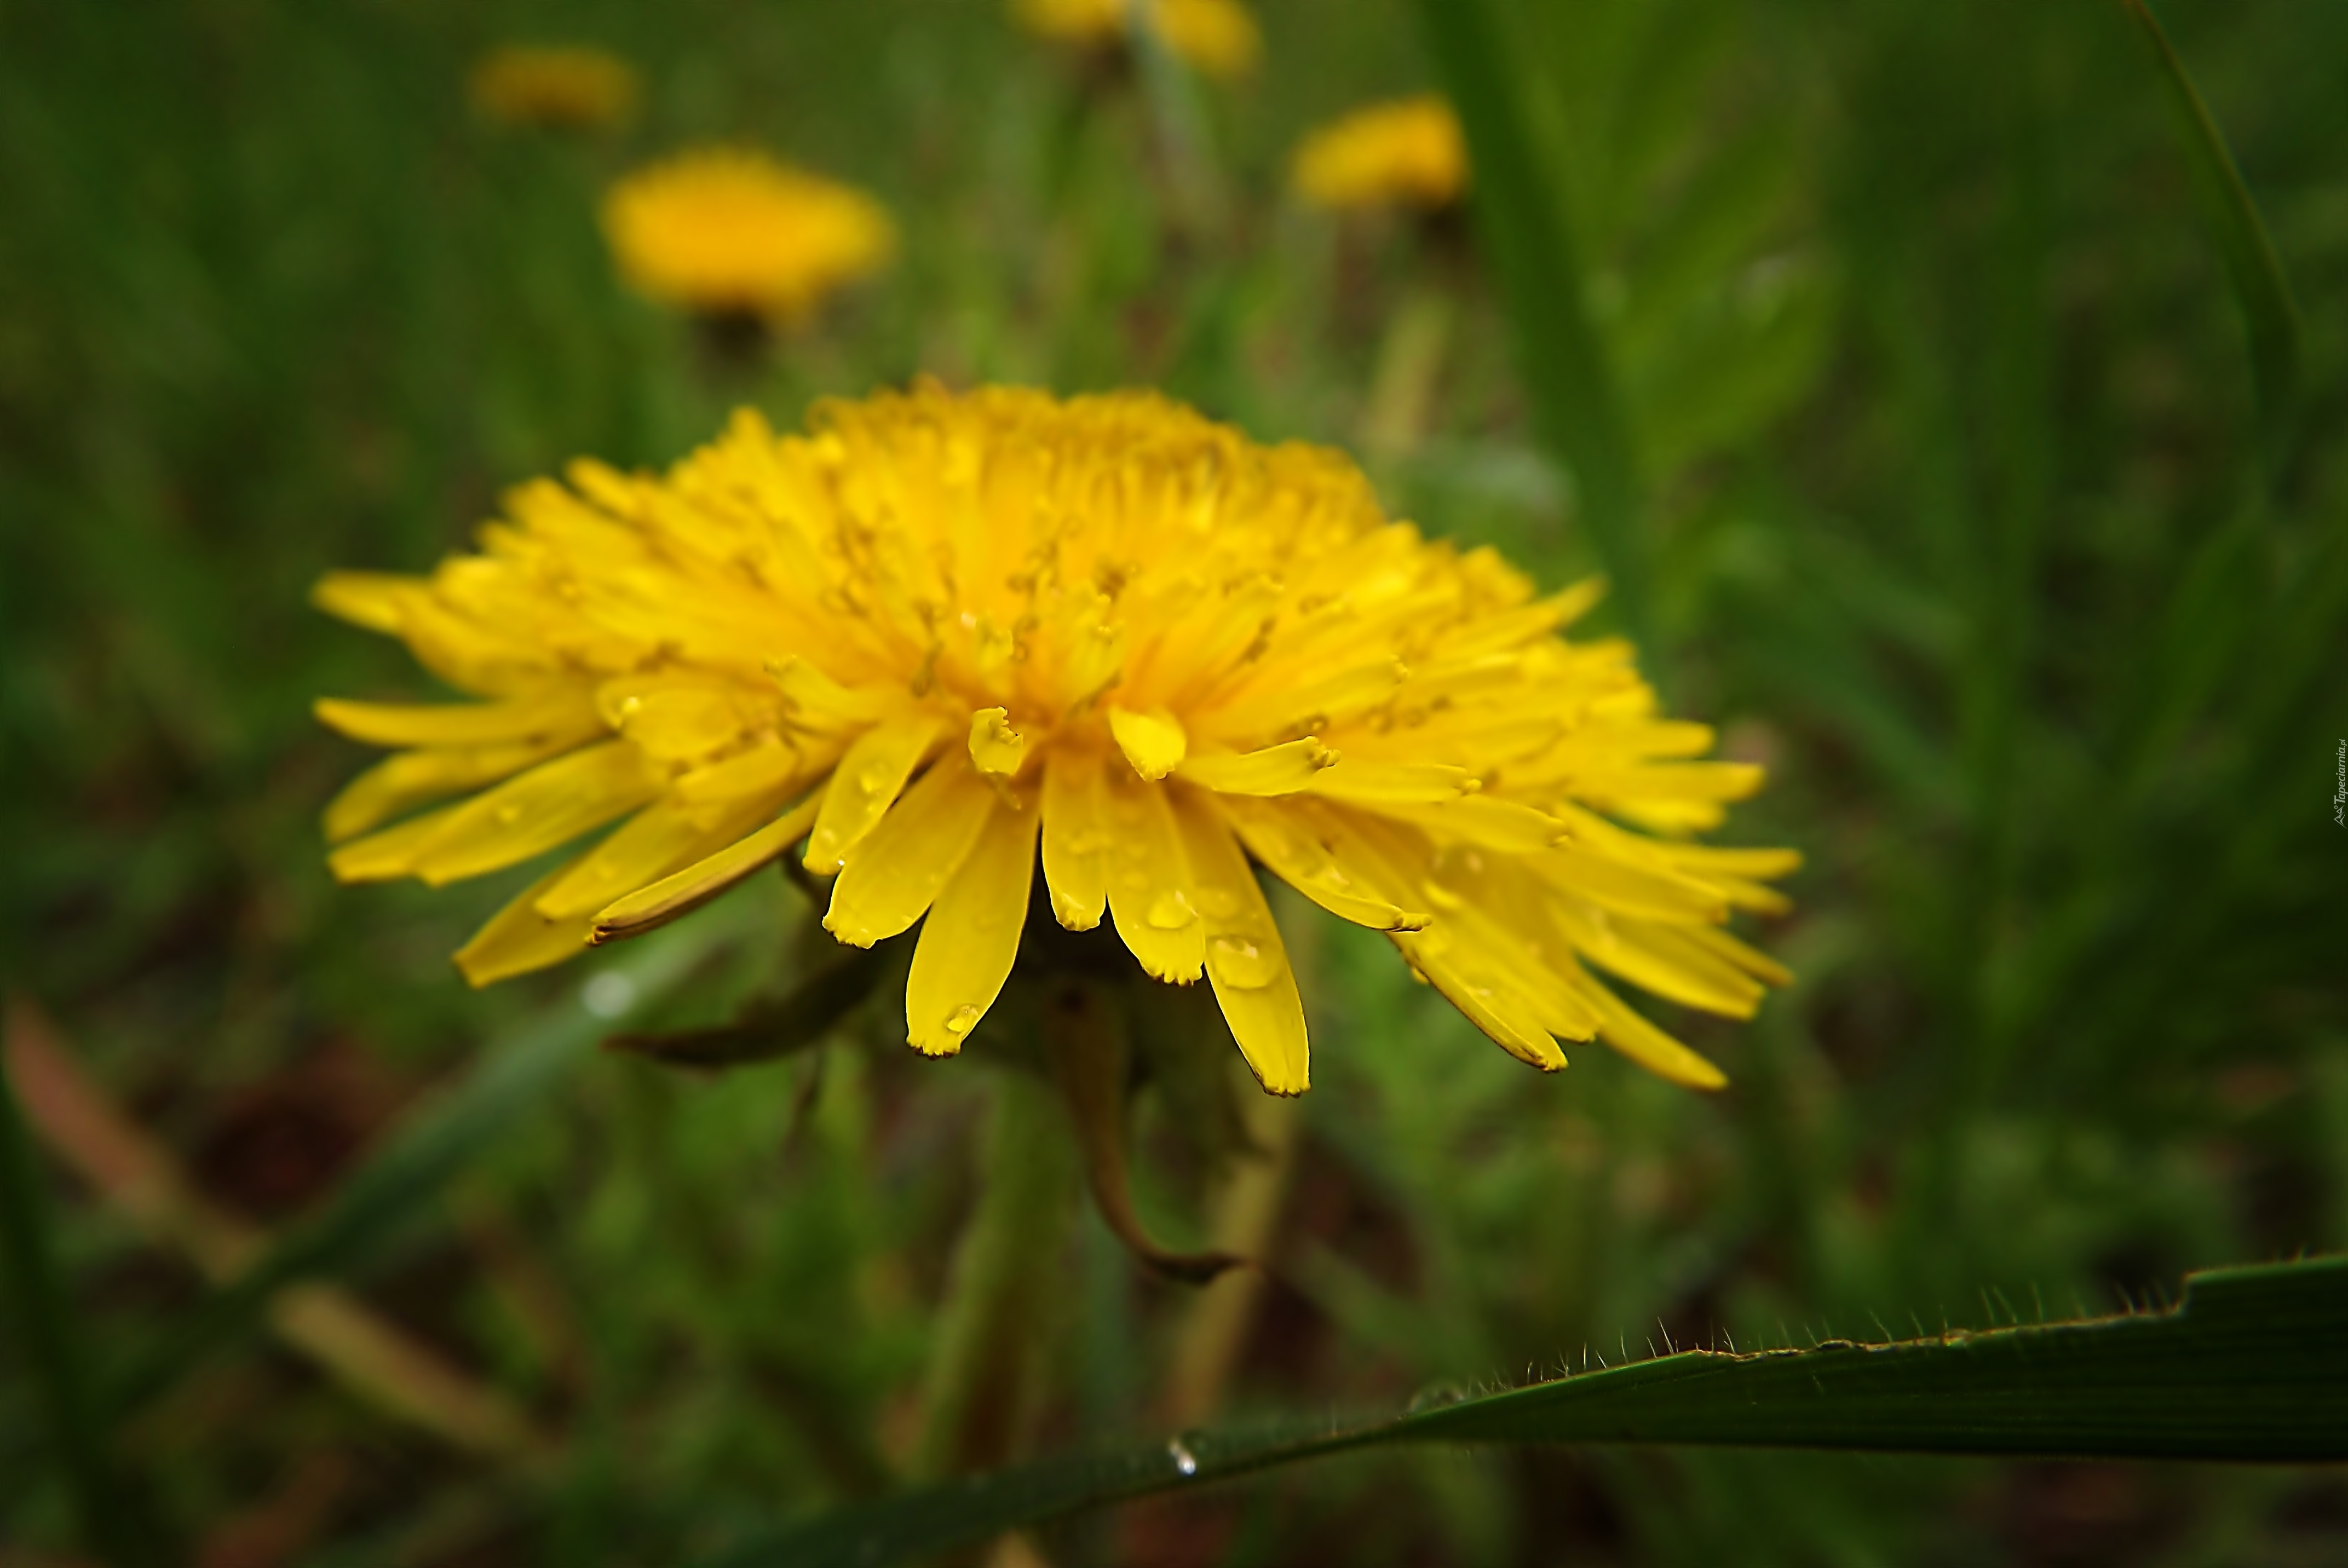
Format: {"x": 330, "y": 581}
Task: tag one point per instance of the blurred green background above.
{"x": 1965, "y": 519}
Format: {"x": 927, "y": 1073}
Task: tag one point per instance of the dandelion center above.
{"x": 936, "y": 637}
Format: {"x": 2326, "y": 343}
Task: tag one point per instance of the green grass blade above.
{"x": 370, "y": 1207}
{"x": 2251, "y": 1365}
{"x": 2251, "y": 264}
{"x": 2240, "y": 1370}
{"x": 1578, "y": 407}
{"x": 53, "y": 1352}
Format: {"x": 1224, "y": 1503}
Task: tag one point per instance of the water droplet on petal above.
{"x": 962, "y": 1020}
{"x": 1171, "y": 910}
{"x": 1220, "y": 903}
{"x": 1241, "y": 961}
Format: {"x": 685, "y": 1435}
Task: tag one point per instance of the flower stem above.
{"x": 1003, "y": 1287}
{"x": 1213, "y": 1332}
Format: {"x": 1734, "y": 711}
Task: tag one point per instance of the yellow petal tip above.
{"x": 1153, "y": 742}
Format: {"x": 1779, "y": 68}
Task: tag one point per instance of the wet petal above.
{"x": 676, "y": 720}
{"x": 1075, "y": 837}
{"x": 866, "y": 782}
{"x": 898, "y": 870}
{"x": 766, "y": 768}
{"x": 1283, "y": 838}
{"x": 1246, "y": 961}
{"x": 399, "y": 783}
{"x": 1395, "y": 861}
{"x": 1149, "y": 894}
{"x": 391, "y": 854}
{"x": 1509, "y": 1018}
{"x": 552, "y": 804}
{"x": 972, "y": 934}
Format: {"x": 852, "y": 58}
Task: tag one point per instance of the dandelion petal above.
{"x": 972, "y": 934}
{"x": 898, "y": 870}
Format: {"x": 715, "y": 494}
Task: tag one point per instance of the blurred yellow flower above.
{"x": 1405, "y": 153}
{"x": 726, "y": 229}
{"x": 939, "y": 630}
{"x": 1216, "y": 37}
{"x": 570, "y": 88}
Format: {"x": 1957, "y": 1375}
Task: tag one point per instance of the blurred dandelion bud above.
{"x": 941, "y": 636}
{"x": 742, "y": 239}
{"x": 1408, "y": 154}
{"x": 1217, "y": 38}
{"x": 562, "y": 88}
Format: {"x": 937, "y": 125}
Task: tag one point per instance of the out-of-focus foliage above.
{"x": 1961, "y": 517}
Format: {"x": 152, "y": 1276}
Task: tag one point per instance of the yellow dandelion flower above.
{"x": 939, "y": 636}
{"x": 1217, "y": 38}
{"x": 567, "y": 88}
{"x": 1406, "y": 153}
{"x": 726, "y": 229}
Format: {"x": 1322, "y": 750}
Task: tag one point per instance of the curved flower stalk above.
{"x": 938, "y": 637}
